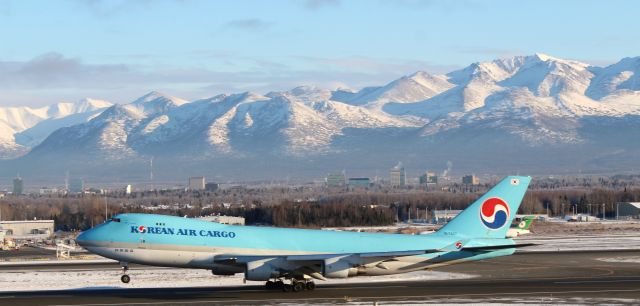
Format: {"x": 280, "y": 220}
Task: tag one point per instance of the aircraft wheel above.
{"x": 279, "y": 284}
{"x": 125, "y": 279}
{"x": 270, "y": 285}
{"x": 298, "y": 286}
{"x": 287, "y": 288}
{"x": 310, "y": 286}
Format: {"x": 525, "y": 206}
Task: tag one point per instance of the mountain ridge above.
{"x": 532, "y": 102}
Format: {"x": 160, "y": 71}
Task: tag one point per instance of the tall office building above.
{"x": 429, "y": 178}
{"x": 196, "y": 183}
{"x": 18, "y": 186}
{"x": 470, "y": 180}
{"x": 336, "y": 179}
{"x": 398, "y": 176}
{"x": 76, "y": 185}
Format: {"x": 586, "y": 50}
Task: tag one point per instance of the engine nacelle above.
{"x": 260, "y": 270}
{"x": 218, "y": 269}
{"x": 338, "y": 269}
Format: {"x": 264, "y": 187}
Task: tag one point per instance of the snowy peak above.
{"x": 154, "y": 103}
{"x": 64, "y": 109}
{"x": 618, "y": 78}
{"x": 154, "y": 97}
{"x": 502, "y": 69}
{"x": 407, "y": 89}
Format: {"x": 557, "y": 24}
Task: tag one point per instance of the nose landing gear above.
{"x": 125, "y": 278}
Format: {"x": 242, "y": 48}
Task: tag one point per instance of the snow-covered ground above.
{"x": 626, "y": 259}
{"x": 580, "y": 243}
{"x": 166, "y": 277}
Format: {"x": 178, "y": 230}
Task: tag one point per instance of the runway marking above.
{"x": 457, "y": 296}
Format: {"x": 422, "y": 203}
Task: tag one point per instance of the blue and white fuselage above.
{"x": 264, "y": 253}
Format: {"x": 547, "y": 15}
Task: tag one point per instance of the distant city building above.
{"x": 196, "y": 183}
{"x": 128, "y": 189}
{"x": 398, "y": 176}
{"x": 95, "y": 191}
{"x": 224, "y": 219}
{"x": 211, "y": 187}
{"x": 48, "y": 191}
{"x": 444, "y": 216}
{"x": 336, "y": 179}
{"x": 362, "y": 182}
{"x": 628, "y": 210}
{"x": 429, "y": 178}
{"x": 76, "y": 185}
{"x": 18, "y": 186}
{"x": 28, "y": 229}
{"x": 2, "y": 194}
{"x": 470, "y": 180}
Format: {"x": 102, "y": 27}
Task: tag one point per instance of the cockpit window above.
{"x": 115, "y": 219}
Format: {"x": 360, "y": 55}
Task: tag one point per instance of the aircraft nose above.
{"x": 83, "y": 238}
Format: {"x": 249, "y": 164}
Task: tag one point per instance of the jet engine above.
{"x": 218, "y": 269}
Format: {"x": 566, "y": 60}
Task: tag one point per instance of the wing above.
{"x": 335, "y": 265}
{"x": 227, "y": 258}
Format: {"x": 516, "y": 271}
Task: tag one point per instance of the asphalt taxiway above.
{"x": 574, "y": 277}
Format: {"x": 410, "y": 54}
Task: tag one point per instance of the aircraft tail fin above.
{"x": 491, "y": 215}
{"x": 525, "y": 223}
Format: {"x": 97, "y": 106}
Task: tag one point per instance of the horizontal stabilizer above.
{"x": 498, "y": 247}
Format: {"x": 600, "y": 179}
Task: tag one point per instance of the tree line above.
{"x": 352, "y": 208}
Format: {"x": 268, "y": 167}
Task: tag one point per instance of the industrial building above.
{"x": 196, "y": 183}
{"x": 628, "y": 210}
{"x": 470, "y": 180}
{"x": 224, "y": 219}
{"x": 359, "y": 182}
{"x": 336, "y": 180}
{"x": 429, "y": 178}
{"x": 398, "y": 176}
{"x": 211, "y": 187}
{"x": 48, "y": 191}
{"x": 28, "y": 229}
{"x": 444, "y": 216}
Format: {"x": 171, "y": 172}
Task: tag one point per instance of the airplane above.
{"x": 522, "y": 228}
{"x": 291, "y": 259}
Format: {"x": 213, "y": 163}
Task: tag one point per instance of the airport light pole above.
{"x": 106, "y": 208}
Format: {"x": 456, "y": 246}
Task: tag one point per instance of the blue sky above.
{"x": 52, "y": 51}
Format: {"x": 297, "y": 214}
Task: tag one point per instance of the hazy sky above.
{"x": 52, "y": 51}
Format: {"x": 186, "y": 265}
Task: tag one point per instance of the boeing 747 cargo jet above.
{"x": 290, "y": 259}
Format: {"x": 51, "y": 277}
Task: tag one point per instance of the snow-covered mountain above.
{"x": 407, "y": 89}
{"x": 22, "y": 128}
{"x": 512, "y": 111}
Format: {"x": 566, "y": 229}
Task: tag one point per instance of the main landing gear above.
{"x": 125, "y": 278}
{"x": 295, "y": 285}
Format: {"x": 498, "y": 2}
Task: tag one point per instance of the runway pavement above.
{"x": 549, "y": 278}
